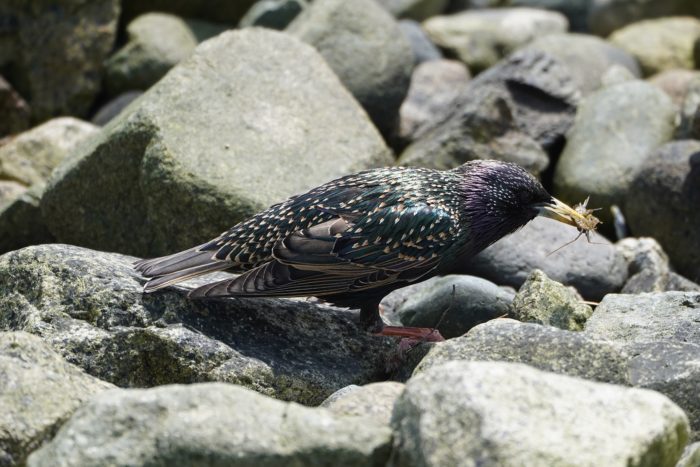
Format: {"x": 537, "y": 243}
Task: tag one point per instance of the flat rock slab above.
{"x": 89, "y": 307}
{"x": 505, "y": 414}
{"x": 211, "y": 424}
{"x": 39, "y": 391}
{"x": 251, "y": 118}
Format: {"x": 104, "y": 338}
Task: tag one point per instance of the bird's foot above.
{"x": 417, "y": 335}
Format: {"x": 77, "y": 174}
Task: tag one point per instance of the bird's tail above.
{"x": 169, "y": 270}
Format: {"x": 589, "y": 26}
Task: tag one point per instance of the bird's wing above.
{"x": 341, "y": 255}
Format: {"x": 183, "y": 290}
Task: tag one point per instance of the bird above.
{"x": 353, "y": 240}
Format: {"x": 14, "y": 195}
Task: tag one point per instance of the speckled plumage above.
{"x": 353, "y": 240}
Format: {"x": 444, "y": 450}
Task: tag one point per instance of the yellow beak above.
{"x": 561, "y": 212}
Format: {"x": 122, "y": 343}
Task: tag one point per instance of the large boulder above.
{"x": 662, "y": 202}
{"x": 608, "y": 15}
{"x": 480, "y": 38}
{"x": 492, "y": 413}
{"x": 587, "y": 57}
{"x": 616, "y": 128}
{"x": 211, "y": 424}
{"x": 516, "y": 111}
{"x": 365, "y": 47}
{"x": 253, "y": 117}
{"x": 30, "y": 157}
{"x": 56, "y": 50}
{"x": 593, "y": 269}
{"x": 39, "y": 391}
{"x": 89, "y": 306}
{"x": 660, "y": 44}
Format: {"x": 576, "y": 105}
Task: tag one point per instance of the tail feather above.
{"x": 169, "y": 270}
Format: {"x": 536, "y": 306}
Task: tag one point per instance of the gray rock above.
{"x": 14, "y": 110}
{"x": 89, "y": 306}
{"x": 9, "y": 191}
{"x": 660, "y": 44}
{"x": 211, "y": 424}
{"x": 576, "y": 11}
{"x": 608, "y": 15}
{"x": 375, "y": 400}
{"x": 662, "y": 203}
{"x": 38, "y": 392}
{"x": 363, "y": 44}
{"x": 689, "y": 126}
{"x": 492, "y": 413}
{"x": 593, "y": 269}
{"x": 56, "y": 50}
{"x": 544, "y": 347}
{"x": 691, "y": 456}
{"x": 114, "y": 107}
{"x": 587, "y": 57}
{"x": 414, "y": 9}
{"x": 423, "y": 49}
{"x": 617, "y": 127}
{"x": 544, "y": 301}
{"x": 273, "y": 14}
{"x": 156, "y": 43}
{"x": 480, "y": 38}
{"x": 435, "y": 86}
{"x": 31, "y": 156}
{"x": 648, "y": 268}
{"x": 185, "y": 147}
{"x": 616, "y": 74}
{"x": 221, "y": 11}
{"x": 648, "y": 317}
{"x": 454, "y": 304}
{"x": 21, "y": 223}
{"x": 515, "y": 111}
{"x": 675, "y": 82}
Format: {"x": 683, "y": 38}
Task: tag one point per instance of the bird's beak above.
{"x": 561, "y": 212}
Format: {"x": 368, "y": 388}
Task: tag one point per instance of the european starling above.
{"x": 353, "y": 240}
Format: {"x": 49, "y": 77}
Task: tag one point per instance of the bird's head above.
{"x": 500, "y": 197}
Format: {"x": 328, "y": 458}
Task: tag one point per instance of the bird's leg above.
{"x": 371, "y": 322}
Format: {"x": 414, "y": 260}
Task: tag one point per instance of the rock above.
{"x": 516, "y": 111}
{"x": 480, "y": 38}
{"x": 608, "y": 15}
{"x": 492, "y": 413}
{"x": 31, "y": 156}
{"x": 56, "y": 49}
{"x": 89, "y": 307}
{"x": 435, "y": 86}
{"x": 544, "y": 347}
{"x": 156, "y": 43}
{"x": 616, "y": 74}
{"x": 675, "y": 82}
{"x": 212, "y": 424}
{"x": 689, "y": 126}
{"x": 544, "y": 301}
{"x": 9, "y": 191}
{"x": 365, "y": 47}
{"x": 114, "y": 107}
{"x": 648, "y": 268}
{"x": 414, "y": 9}
{"x": 662, "y": 203}
{"x": 576, "y": 11}
{"x": 635, "y": 118}
{"x": 186, "y": 148}
{"x": 38, "y": 392}
{"x": 691, "y": 456}
{"x": 454, "y": 304}
{"x": 14, "y": 110}
{"x": 587, "y": 57}
{"x": 594, "y": 270}
{"x": 660, "y": 44}
{"x": 673, "y": 369}
{"x": 375, "y": 400}
{"x": 648, "y": 317}
{"x": 21, "y": 223}
{"x": 221, "y": 11}
{"x": 423, "y": 49}
{"x": 273, "y": 14}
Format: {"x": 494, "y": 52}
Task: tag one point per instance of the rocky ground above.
{"x": 138, "y": 128}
